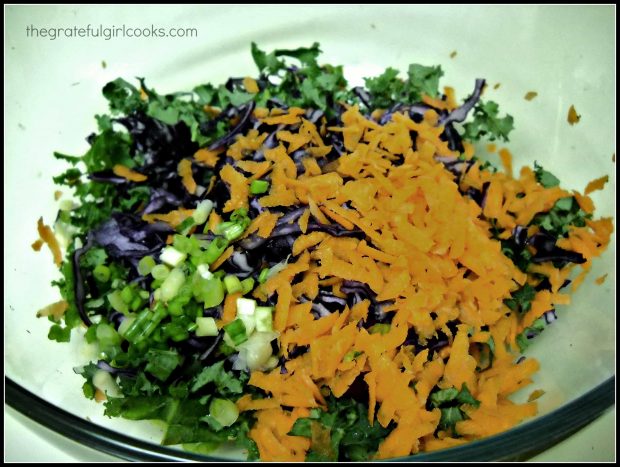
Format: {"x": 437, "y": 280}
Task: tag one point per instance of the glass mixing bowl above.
{"x": 565, "y": 54}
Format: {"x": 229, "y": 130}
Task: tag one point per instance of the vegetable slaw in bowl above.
{"x": 311, "y": 271}
{"x": 536, "y": 138}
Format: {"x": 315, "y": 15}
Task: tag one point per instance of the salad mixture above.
{"x": 308, "y": 270}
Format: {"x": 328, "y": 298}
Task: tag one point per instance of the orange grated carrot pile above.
{"x": 428, "y": 253}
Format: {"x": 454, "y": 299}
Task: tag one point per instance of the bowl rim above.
{"x": 518, "y": 443}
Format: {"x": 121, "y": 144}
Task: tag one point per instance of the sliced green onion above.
{"x": 125, "y": 324}
{"x": 276, "y": 268}
{"x": 233, "y": 284}
{"x": 158, "y": 335}
{"x": 224, "y": 412}
{"x": 160, "y": 272}
{"x": 154, "y": 320}
{"x": 175, "y": 308}
{"x": 262, "y": 277}
{"x": 258, "y": 187}
{"x": 203, "y": 209}
{"x": 102, "y": 273}
{"x": 175, "y": 331}
{"x": 210, "y": 292}
{"x": 186, "y": 225}
{"x": 247, "y": 285}
{"x": 240, "y": 217}
{"x": 206, "y": 326}
{"x": 245, "y": 312}
{"x": 146, "y": 265}
{"x": 172, "y": 257}
{"x": 203, "y": 270}
{"x": 256, "y": 351}
{"x": 182, "y": 244}
{"x": 135, "y": 327}
{"x": 271, "y": 363}
{"x": 94, "y": 303}
{"x": 215, "y": 249}
{"x": 263, "y": 317}
{"x": 222, "y": 226}
{"x": 107, "y": 335}
{"x": 104, "y": 381}
{"x": 233, "y": 232}
{"x": 236, "y": 332}
{"x": 172, "y": 284}
{"x": 117, "y": 302}
{"x": 246, "y": 306}
{"x": 136, "y": 303}
{"x": 127, "y": 294}
{"x": 66, "y": 205}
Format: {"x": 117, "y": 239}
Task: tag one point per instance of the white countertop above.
{"x": 27, "y": 441}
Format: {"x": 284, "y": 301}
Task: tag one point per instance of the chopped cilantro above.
{"x": 341, "y": 433}
{"x": 487, "y": 123}
{"x": 523, "y": 339}
{"x": 521, "y": 299}
{"x": 544, "y": 177}
{"x": 564, "y": 214}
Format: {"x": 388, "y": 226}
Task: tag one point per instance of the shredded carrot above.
{"x": 185, "y": 171}
{"x": 174, "y": 218}
{"x": 263, "y": 224}
{"x": 214, "y": 220}
{"x": 57, "y": 195}
{"x": 47, "y": 236}
{"x": 230, "y": 309}
{"x": 536, "y": 394}
{"x": 239, "y": 188}
{"x": 128, "y": 174}
{"x": 57, "y": 310}
{"x": 99, "y": 394}
{"x": 247, "y": 403}
{"x": 530, "y": 95}
{"x": 246, "y": 144}
{"x": 600, "y": 280}
{"x": 250, "y": 85}
{"x": 316, "y": 212}
{"x": 506, "y": 158}
{"x": 209, "y": 158}
{"x": 37, "y": 244}
{"x": 303, "y": 221}
{"x": 290, "y": 118}
{"x": 257, "y": 169}
{"x": 218, "y": 262}
{"x": 595, "y": 185}
{"x": 573, "y": 116}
